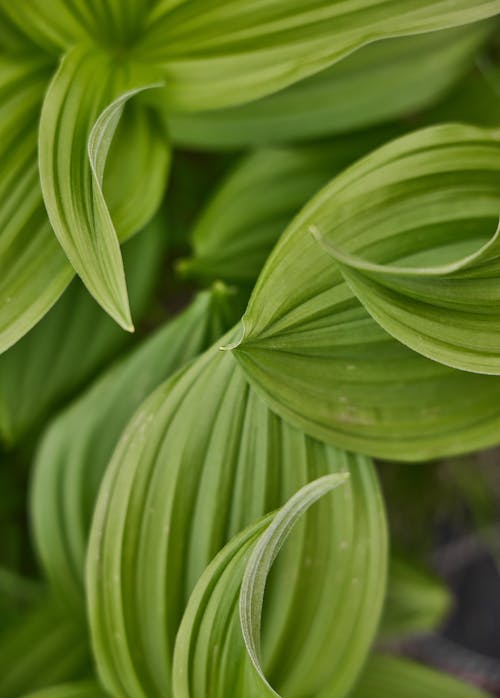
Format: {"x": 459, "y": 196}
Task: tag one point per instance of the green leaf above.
{"x": 79, "y": 118}
{"x": 43, "y": 647}
{"x": 49, "y": 363}
{"x": 432, "y": 259}
{"x": 202, "y": 458}
{"x": 33, "y": 270}
{"x": 233, "y": 236}
{"x": 83, "y": 689}
{"x": 216, "y": 54}
{"x": 311, "y": 347}
{"x": 390, "y": 677}
{"x": 209, "y": 628}
{"x": 378, "y": 83}
{"x": 75, "y": 450}
{"x": 416, "y": 601}
{"x": 58, "y": 25}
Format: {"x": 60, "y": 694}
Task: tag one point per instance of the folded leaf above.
{"x": 216, "y": 54}
{"x": 390, "y": 677}
{"x": 211, "y": 650}
{"x": 424, "y": 271}
{"x": 75, "y": 451}
{"x": 317, "y": 355}
{"x": 78, "y": 121}
{"x": 49, "y": 363}
{"x": 233, "y": 236}
{"x": 202, "y": 458}
{"x": 33, "y": 270}
{"x": 380, "y": 82}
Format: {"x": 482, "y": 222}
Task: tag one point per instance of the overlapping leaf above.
{"x": 432, "y": 282}
{"x": 202, "y": 458}
{"x": 49, "y": 362}
{"x": 233, "y": 236}
{"x": 219, "y": 642}
{"x": 78, "y": 120}
{"x": 390, "y": 677}
{"x": 314, "y": 351}
{"x": 216, "y": 54}
{"x": 76, "y": 449}
{"x": 383, "y": 81}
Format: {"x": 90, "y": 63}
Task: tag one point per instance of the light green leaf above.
{"x": 314, "y": 351}
{"x": 233, "y": 236}
{"x": 75, "y": 450}
{"x": 391, "y": 677}
{"x": 209, "y": 627}
{"x": 43, "y": 647}
{"x": 79, "y": 118}
{"x": 416, "y": 601}
{"x": 202, "y": 458}
{"x": 216, "y": 54}
{"x": 429, "y": 226}
{"x": 49, "y": 363}
{"x": 83, "y": 689}
{"x": 383, "y": 81}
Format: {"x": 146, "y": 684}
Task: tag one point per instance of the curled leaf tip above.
{"x": 237, "y": 342}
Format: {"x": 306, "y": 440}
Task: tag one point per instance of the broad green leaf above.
{"x": 202, "y": 458}
{"x": 43, "y": 647}
{"x": 426, "y": 255}
{"x": 213, "y": 653}
{"x": 48, "y": 362}
{"x": 216, "y": 54}
{"x": 75, "y": 450}
{"x": 83, "y": 689}
{"x": 416, "y": 601}
{"x": 79, "y": 117}
{"x": 391, "y": 677}
{"x": 234, "y": 235}
{"x": 378, "y": 83}
{"x": 310, "y": 346}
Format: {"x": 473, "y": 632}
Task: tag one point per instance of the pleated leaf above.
{"x": 217, "y": 54}
{"x": 203, "y": 458}
{"x": 380, "y": 82}
{"x": 391, "y": 677}
{"x": 49, "y": 362}
{"x": 233, "y": 236}
{"x": 312, "y": 348}
{"x": 33, "y": 269}
{"x": 57, "y": 25}
{"x": 79, "y": 117}
{"x": 75, "y": 450}
{"x": 213, "y": 654}
{"x": 433, "y": 287}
